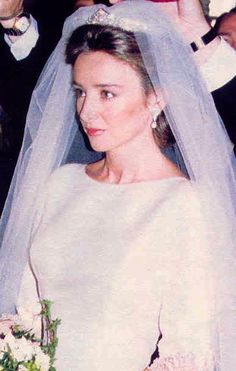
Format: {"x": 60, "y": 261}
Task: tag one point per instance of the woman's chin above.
{"x": 98, "y": 147}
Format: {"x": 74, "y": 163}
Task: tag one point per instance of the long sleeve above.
{"x": 187, "y": 314}
{"x": 220, "y": 74}
{"x": 28, "y": 305}
{"x": 28, "y": 296}
{"x": 221, "y": 67}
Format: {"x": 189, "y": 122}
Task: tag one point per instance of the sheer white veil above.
{"x": 52, "y": 139}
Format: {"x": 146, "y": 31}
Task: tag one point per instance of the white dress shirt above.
{"x": 22, "y": 47}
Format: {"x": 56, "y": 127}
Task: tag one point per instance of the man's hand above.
{"x": 9, "y": 8}
{"x": 188, "y": 17}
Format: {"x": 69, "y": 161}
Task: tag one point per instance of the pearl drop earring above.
{"x": 156, "y": 112}
{"x": 154, "y": 123}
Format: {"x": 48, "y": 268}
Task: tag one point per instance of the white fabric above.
{"x": 220, "y": 68}
{"x": 50, "y": 134}
{"x": 23, "y": 45}
{"x": 217, "y": 70}
{"x": 217, "y": 7}
{"x": 112, "y": 275}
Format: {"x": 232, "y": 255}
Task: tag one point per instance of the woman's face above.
{"x": 111, "y": 102}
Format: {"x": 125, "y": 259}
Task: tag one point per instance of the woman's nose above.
{"x": 88, "y": 109}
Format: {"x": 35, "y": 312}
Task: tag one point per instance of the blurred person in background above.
{"x": 29, "y": 32}
{"x": 226, "y": 27}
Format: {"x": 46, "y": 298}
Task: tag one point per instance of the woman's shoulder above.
{"x": 68, "y": 172}
{"x": 185, "y": 200}
{"x": 61, "y": 184}
{"x": 65, "y": 177}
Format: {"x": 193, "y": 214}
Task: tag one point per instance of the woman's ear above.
{"x": 155, "y": 103}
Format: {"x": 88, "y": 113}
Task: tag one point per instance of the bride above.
{"x": 137, "y": 257}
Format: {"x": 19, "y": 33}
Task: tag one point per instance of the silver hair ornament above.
{"x": 103, "y": 17}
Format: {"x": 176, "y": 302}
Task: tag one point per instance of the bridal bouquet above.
{"x": 28, "y": 343}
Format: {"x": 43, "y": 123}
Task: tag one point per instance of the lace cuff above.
{"x": 180, "y": 362}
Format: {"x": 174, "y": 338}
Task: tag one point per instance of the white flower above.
{"x": 30, "y": 320}
{"x": 9, "y": 339}
{"x": 6, "y": 321}
{"x": 21, "y": 349}
{"x": 42, "y": 360}
{"x": 5, "y": 327}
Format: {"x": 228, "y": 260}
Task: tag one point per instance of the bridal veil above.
{"x": 52, "y": 138}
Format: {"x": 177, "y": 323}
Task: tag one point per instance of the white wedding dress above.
{"x": 122, "y": 264}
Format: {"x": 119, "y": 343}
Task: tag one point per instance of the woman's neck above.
{"x": 129, "y": 164}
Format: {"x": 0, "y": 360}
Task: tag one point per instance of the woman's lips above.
{"x": 94, "y": 132}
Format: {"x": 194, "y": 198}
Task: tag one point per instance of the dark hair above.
{"x": 122, "y": 45}
{"x": 109, "y": 39}
{"x": 106, "y": 2}
{"x": 223, "y": 17}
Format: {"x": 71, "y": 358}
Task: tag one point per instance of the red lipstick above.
{"x": 93, "y": 132}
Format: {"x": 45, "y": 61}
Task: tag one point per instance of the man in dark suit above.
{"x": 224, "y": 99}
{"x": 19, "y": 72}
{"x": 18, "y": 77}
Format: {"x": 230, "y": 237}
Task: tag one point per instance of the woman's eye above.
{"x": 107, "y": 94}
{"x": 79, "y": 92}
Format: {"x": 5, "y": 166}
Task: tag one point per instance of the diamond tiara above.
{"x": 102, "y": 17}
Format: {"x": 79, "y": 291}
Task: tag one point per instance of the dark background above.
{"x": 18, "y": 78}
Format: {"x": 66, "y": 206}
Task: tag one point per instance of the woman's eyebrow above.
{"x": 108, "y": 85}
{"x": 78, "y": 85}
